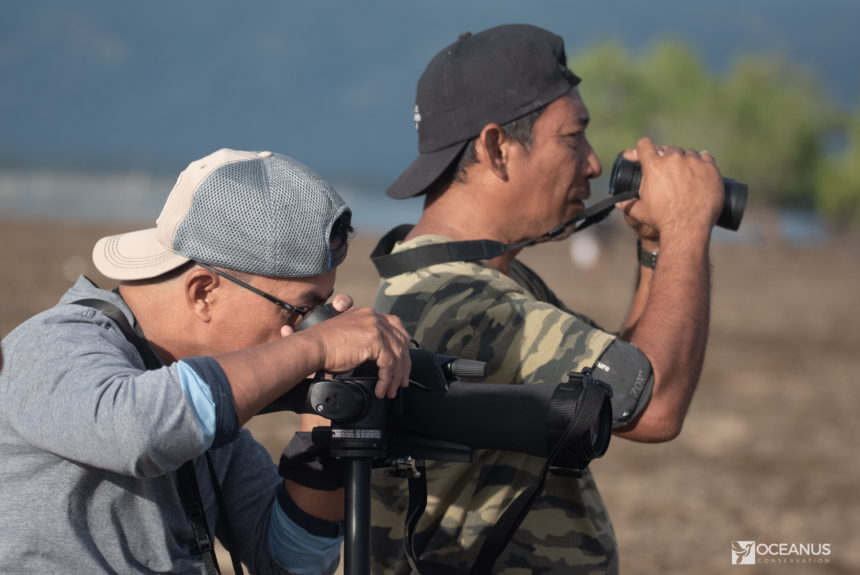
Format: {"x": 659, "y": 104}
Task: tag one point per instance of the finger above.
{"x": 385, "y": 365}
{"x": 397, "y": 374}
{"x": 672, "y": 150}
{"x": 398, "y": 344}
{"x": 382, "y": 383}
{"x": 405, "y": 362}
{"x": 287, "y": 330}
{"x": 341, "y": 302}
{"x": 630, "y": 154}
{"x": 631, "y": 210}
{"x": 389, "y": 375}
{"x": 647, "y": 150}
{"x": 397, "y": 325}
{"x": 626, "y": 205}
{"x": 706, "y": 155}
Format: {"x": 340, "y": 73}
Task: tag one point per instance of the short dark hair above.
{"x": 520, "y": 131}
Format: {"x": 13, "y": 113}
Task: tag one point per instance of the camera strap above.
{"x": 187, "y": 484}
{"x": 588, "y": 407}
{"x": 392, "y": 264}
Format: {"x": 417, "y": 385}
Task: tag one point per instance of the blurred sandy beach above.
{"x": 769, "y": 452}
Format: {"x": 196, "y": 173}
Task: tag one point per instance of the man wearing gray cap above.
{"x": 504, "y": 163}
{"x": 121, "y": 411}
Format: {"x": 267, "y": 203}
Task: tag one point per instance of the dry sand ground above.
{"x": 769, "y": 451}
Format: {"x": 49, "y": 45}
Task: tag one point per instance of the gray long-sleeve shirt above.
{"x": 89, "y": 445}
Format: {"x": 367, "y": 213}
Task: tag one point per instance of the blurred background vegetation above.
{"x": 768, "y": 122}
{"x": 105, "y": 89}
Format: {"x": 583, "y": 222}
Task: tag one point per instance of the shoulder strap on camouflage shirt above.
{"x": 390, "y": 265}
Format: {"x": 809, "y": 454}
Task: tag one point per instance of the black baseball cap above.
{"x": 497, "y": 75}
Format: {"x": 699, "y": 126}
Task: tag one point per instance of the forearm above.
{"x": 668, "y": 322}
{"x": 644, "y": 276}
{"x": 261, "y": 374}
{"x": 328, "y": 505}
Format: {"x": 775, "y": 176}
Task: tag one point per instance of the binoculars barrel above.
{"x": 627, "y": 175}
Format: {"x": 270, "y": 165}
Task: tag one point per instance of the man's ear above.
{"x": 200, "y": 286}
{"x": 491, "y": 149}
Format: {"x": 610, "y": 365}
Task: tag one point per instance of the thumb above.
{"x": 341, "y": 302}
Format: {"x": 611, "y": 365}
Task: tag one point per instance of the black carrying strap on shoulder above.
{"x": 134, "y": 335}
{"x": 188, "y": 486}
{"x": 389, "y": 265}
{"x": 507, "y": 524}
{"x": 189, "y": 493}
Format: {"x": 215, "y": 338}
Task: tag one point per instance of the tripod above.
{"x": 396, "y": 451}
{"x": 357, "y": 536}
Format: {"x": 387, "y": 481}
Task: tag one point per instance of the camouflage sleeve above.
{"x": 535, "y": 285}
{"x": 489, "y": 317}
{"x": 623, "y": 366}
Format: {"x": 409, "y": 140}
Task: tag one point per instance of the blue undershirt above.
{"x": 292, "y": 546}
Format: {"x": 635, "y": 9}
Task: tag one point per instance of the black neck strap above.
{"x": 389, "y": 265}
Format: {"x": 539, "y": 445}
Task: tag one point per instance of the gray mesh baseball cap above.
{"x": 254, "y": 212}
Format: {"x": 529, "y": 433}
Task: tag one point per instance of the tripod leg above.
{"x": 357, "y": 536}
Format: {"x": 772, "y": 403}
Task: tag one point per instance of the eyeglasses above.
{"x": 299, "y": 310}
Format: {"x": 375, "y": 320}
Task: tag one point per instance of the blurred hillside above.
{"x": 156, "y": 84}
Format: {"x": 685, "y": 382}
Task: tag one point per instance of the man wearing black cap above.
{"x": 504, "y": 157}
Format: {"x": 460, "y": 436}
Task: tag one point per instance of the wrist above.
{"x": 310, "y": 348}
{"x": 693, "y": 241}
{"x": 685, "y": 231}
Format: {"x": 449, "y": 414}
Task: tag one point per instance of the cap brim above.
{"x": 134, "y": 256}
{"x": 425, "y": 170}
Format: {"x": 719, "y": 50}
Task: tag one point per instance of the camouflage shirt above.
{"x": 525, "y": 334}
